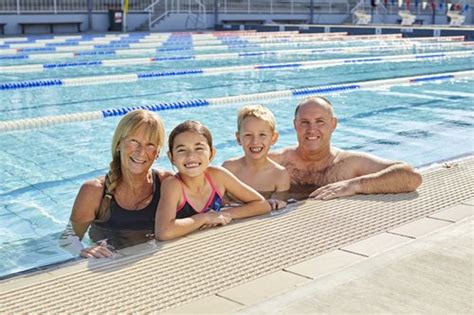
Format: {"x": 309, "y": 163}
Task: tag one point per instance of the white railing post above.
{"x": 55, "y": 5}
{"x": 18, "y": 7}
{"x": 248, "y": 6}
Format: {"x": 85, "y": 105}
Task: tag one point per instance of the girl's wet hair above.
{"x": 192, "y": 126}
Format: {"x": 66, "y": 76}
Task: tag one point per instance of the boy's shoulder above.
{"x": 233, "y": 163}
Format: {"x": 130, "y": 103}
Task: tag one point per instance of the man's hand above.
{"x": 334, "y": 190}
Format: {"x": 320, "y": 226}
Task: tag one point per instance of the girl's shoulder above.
{"x": 171, "y": 180}
{"x": 217, "y": 171}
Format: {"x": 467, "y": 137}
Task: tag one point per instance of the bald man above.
{"x": 321, "y": 171}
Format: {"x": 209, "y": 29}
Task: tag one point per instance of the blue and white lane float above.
{"x": 308, "y": 51}
{"x": 137, "y": 42}
{"x": 133, "y": 77}
{"x": 143, "y": 37}
{"x": 214, "y": 34}
{"x": 390, "y": 46}
{"x": 122, "y": 48}
{"x": 178, "y": 40}
{"x": 8, "y": 54}
{"x": 39, "y": 122}
{"x": 159, "y": 46}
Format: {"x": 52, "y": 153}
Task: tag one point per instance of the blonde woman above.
{"x": 119, "y": 208}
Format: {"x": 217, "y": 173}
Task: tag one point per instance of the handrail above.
{"x": 359, "y": 4}
{"x": 150, "y": 7}
{"x": 201, "y": 14}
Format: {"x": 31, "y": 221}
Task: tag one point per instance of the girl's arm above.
{"x": 167, "y": 226}
{"x": 253, "y": 202}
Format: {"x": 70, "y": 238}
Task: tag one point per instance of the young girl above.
{"x": 192, "y": 199}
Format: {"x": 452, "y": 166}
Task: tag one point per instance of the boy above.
{"x": 256, "y": 134}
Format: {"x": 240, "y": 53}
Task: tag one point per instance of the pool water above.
{"x": 42, "y": 169}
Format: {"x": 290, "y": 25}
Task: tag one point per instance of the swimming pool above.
{"x": 43, "y": 168}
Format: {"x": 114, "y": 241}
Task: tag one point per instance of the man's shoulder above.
{"x": 352, "y": 156}
{"x": 282, "y": 155}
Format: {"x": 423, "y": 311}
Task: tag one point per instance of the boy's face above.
{"x": 256, "y": 137}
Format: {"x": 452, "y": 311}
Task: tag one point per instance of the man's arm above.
{"x": 278, "y": 156}
{"x": 373, "y": 176}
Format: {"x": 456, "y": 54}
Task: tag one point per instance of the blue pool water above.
{"x": 42, "y": 169}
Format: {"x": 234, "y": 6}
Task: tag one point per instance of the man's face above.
{"x": 314, "y": 125}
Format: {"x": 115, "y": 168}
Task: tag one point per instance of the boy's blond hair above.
{"x": 257, "y": 111}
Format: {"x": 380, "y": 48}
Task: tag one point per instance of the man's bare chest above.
{"x": 305, "y": 174}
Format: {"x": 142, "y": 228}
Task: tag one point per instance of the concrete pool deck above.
{"x": 382, "y": 253}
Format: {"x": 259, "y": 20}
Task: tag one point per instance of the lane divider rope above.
{"x": 39, "y": 122}
{"x": 133, "y": 77}
{"x": 104, "y": 42}
{"x": 295, "y": 40}
{"x": 9, "y": 54}
{"x": 149, "y": 60}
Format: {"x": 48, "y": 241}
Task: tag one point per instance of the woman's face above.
{"x": 137, "y": 153}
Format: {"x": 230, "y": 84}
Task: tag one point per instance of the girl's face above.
{"x": 191, "y": 153}
{"x": 137, "y": 153}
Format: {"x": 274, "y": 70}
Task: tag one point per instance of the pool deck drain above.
{"x": 229, "y": 268}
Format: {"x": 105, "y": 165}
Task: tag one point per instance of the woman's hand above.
{"x": 214, "y": 218}
{"x": 99, "y": 251}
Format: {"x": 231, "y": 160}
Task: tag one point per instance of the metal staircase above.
{"x": 196, "y": 19}
{"x": 161, "y": 9}
{"x": 157, "y": 11}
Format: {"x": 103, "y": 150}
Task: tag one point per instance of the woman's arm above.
{"x": 83, "y": 213}
{"x": 167, "y": 227}
{"x": 253, "y": 202}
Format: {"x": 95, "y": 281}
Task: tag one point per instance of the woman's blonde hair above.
{"x": 155, "y": 133}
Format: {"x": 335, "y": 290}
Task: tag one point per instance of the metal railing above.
{"x": 224, "y": 6}
{"x": 289, "y": 6}
{"x": 67, "y": 6}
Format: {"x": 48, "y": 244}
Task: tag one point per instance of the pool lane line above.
{"x": 170, "y": 39}
{"x": 140, "y": 48}
{"x": 39, "y": 122}
{"x": 35, "y": 68}
{"x": 198, "y": 50}
{"x": 150, "y": 35}
{"x": 134, "y": 77}
{"x": 109, "y": 43}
